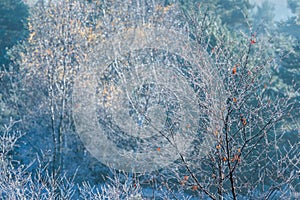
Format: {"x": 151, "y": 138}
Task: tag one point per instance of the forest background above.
{"x": 234, "y": 17}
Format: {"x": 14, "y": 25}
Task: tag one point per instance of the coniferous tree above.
{"x": 13, "y": 14}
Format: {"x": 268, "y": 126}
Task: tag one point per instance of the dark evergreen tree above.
{"x": 233, "y": 13}
{"x": 289, "y": 71}
{"x": 263, "y": 17}
{"x": 13, "y": 15}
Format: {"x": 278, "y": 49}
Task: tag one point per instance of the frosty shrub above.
{"x": 13, "y": 180}
{"x": 18, "y": 182}
{"x": 254, "y": 155}
{"x": 58, "y": 43}
{"x": 161, "y": 92}
{"x": 120, "y": 186}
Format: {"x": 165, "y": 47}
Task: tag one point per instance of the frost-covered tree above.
{"x": 60, "y": 38}
{"x": 219, "y": 117}
{"x": 251, "y": 141}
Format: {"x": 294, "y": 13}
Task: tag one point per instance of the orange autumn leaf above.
{"x": 194, "y": 187}
{"x": 236, "y": 158}
{"x": 252, "y": 41}
{"x": 158, "y": 149}
{"x": 234, "y": 99}
{"x": 244, "y": 121}
{"x": 186, "y": 178}
{"x": 234, "y": 70}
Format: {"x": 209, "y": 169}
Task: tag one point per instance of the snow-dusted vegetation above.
{"x": 135, "y": 99}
